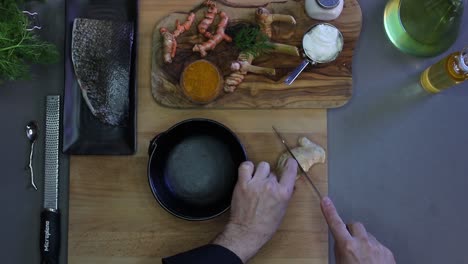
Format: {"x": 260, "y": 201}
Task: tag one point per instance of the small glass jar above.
{"x": 325, "y": 10}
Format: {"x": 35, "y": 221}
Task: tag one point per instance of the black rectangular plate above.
{"x": 83, "y": 133}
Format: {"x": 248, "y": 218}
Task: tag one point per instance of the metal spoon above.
{"x": 31, "y": 133}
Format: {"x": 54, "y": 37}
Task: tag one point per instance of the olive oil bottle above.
{"x": 446, "y": 73}
{"x": 423, "y": 27}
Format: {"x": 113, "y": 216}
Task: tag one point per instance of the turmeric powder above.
{"x": 201, "y": 81}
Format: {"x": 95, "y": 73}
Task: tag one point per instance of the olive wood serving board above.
{"x": 319, "y": 86}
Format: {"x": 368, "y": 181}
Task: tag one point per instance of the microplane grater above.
{"x": 52, "y": 152}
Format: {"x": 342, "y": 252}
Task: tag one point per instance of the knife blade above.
{"x": 298, "y": 164}
{"x": 50, "y": 216}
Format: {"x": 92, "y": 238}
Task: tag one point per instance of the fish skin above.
{"x": 101, "y": 56}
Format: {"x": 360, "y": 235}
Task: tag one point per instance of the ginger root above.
{"x": 240, "y": 68}
{"x": 265, "y": 18}
{"x": 285, "y": 49}
{"x": 181, "y": 28}
{"x": 244, "y": 67}
{"x": 216, "y": 38}
{"x": 210, "y": 15}
{"x": 169, "y": 45}
{"x": 169, "y": 39}
{"x": 232, "y": 81}
{"x": 308, "y": 154}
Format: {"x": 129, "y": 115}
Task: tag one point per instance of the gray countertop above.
{"x": 20, "y": 102}
{"x": 397, "y": 157}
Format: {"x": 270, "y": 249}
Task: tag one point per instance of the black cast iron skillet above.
{"x": 192, "y": 168}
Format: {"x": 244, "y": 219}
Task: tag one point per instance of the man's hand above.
{"x": 258, "y": 206}
{"x": 353, "y": 244}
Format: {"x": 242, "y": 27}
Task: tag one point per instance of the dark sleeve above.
{"x": 206, "y": 254}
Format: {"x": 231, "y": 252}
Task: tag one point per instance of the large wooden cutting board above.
{"x": 323, "y": 86}
{"x": 114, "y": 218}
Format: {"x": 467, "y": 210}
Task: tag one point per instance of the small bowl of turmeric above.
{"x": 201, "y": 82}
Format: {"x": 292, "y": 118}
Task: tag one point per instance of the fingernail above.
{"x": 326, "y": 201}
{"x": 246, "y": 164}
{"x": 263, "y": 166}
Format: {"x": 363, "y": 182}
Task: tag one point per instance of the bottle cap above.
{"x": 463, "y": 63}
{"x": 328, "y": 4}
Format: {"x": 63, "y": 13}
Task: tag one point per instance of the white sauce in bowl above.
{"x": 322, "y": 43}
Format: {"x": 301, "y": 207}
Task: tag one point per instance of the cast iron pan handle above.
{"x": 154, "y": 143}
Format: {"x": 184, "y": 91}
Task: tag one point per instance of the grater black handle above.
{"x": 50, "y": 237}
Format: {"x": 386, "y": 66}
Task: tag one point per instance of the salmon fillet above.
{"x": 101, "y": 56}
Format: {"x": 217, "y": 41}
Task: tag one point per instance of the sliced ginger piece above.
{"x": 307, "y": 153}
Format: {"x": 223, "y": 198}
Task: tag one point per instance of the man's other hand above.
{"x": 353, "y": 244}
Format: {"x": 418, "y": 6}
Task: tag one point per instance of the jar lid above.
{"x": 464, "y": 59}
{"x": 328, "y": 4}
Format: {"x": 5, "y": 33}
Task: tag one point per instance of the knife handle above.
{"x": 50, "y": 236}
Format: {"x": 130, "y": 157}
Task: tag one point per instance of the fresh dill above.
{"x": 251, "y": 40}
{"x": 19, "y": 47}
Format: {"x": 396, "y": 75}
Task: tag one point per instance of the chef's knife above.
{"x": 298, "y": 164}
{"x": 50, "y": 216}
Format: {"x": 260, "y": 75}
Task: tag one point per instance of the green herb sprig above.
{"x": 251, "y": 40}
{"x": 19, "y": 47}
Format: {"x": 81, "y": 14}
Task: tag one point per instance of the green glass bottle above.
{"x": 423, "y": 27}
